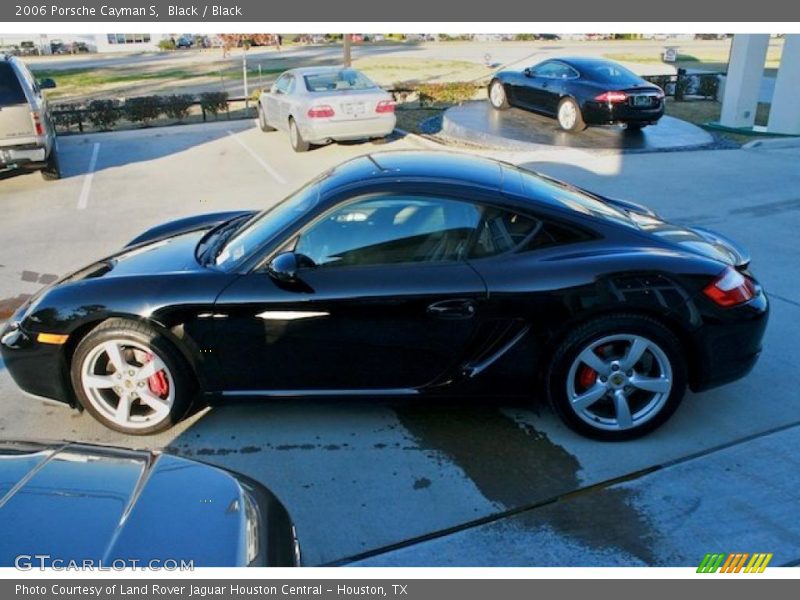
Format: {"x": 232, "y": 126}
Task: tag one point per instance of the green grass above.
{"x": 701, "y": 112}
{"x": 81, "y": 83}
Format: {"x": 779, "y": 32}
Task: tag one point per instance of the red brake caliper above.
{"x": 157, "y": 382}
{"x": 587, "y": 376}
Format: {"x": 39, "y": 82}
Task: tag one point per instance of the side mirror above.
{"x": 47, "y": 84}
{"x": 274, "y": 89}
{"x": 527, "y": 72}
{"x": 283, "y": 267}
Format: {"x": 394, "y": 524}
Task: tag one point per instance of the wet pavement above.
{"x": 478, "y": 124}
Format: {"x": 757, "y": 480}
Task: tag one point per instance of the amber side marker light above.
{"x": 52, "y": 338}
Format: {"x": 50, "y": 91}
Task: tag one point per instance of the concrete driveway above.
{"x": 362, "y": 475}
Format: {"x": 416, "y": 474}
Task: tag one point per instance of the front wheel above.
{"x": 618, "y": 377}
{"x": 570, "y": 117}
{"x": 497, "y": 95}
{"x": 296, "y": 138}
{"x": 130, "y": 378}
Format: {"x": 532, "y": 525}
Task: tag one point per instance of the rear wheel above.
{"x": 569, "y": 116}
{"x": 617, "y": 377}
{"x": 262, "y": 119}
{"x": 131, "y": 378}
{"x": 52, "y": 168}
{"x": 497, "y": 95}
{"x": 296, "y": 138}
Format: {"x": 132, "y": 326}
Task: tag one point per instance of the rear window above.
{"x": 337, "y": 81}
{"x": 610, "y": 73}
{"x": 10, "y": 89}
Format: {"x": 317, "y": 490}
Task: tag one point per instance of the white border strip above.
{"x": 387, "y": 26}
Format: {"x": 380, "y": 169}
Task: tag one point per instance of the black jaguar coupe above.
{"x": 401, "y": 273}
{"x": 580, "y": 92}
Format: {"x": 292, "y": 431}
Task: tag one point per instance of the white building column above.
{"x": 743, "y": 83}
{"x": 784, "y": 114}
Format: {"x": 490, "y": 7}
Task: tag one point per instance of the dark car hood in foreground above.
{"x": 75, "y": 502}
{"x": 167, "y": 248}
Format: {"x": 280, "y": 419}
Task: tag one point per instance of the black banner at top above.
{"x": 444, "y": 11}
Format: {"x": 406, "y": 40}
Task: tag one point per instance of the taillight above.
{"x": 385, "y": 106}
{"x": 38, "y": 127}
{"x": 731, "y": 288}
{"x": 321, "y": 111}
{"x": 612, "y": 97}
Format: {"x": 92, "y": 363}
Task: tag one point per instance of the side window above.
{"x": 290, "y": 85}
{"x": 501, "y": 231}
{"x": 548, "y": 70}
{"x": 282, "y": 85}
{"x": 391, "y": 230}
{"x": 555, "y": 234}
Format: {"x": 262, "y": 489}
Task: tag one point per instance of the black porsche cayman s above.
{"x": 401, "y": 273}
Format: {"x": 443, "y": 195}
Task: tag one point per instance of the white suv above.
{"x": 27, "y": 135}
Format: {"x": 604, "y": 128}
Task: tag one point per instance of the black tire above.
{"x": 579, "y": 124}
{"x": 296, "y": 138}
{"x": 262, "y": 120}
{"x": 142, "y": 334}
{"x": 495, "y": 102}
{"x": 52, "y": 168}
{"x": 635, "y": 127}
{"x": 557, "y": 374}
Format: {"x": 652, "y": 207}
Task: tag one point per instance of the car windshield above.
{"x": 266, "y": 226}
{"x": 337, "y": 81}
{"x": 610, "y": 73}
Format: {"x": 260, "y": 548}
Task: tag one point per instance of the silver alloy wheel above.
{"x": 293, "y": 133}
{"x": 115, "y": 378}
{"x": 497, "y": 94}
{"x": 632, "y": 382}
{"x": 567, "y": 115}
{"x": 262, "y": 118}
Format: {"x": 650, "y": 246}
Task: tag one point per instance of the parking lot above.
{"x": 361, "y": 476}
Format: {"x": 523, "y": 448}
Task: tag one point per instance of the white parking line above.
{"x": 275, "y": 175}
{"x": 83, "y": 199}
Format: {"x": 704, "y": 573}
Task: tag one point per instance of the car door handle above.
{"x": 453, "y": 309}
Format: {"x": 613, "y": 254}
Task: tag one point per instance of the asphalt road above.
{"x": 361, "y": 474}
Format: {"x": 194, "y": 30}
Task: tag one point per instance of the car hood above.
{"x": 76, "y": 501}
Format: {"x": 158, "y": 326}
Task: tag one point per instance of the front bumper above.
{"x": 323, "y": 130}
{"x": 600, "y": 113}
{"x": 38, "y": 369}
{"x": 729, "y": 343}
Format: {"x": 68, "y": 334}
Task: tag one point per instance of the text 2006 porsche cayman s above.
{"x": 401, "y": 273}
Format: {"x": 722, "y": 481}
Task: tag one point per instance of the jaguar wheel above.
{"x": 131, "y": 378}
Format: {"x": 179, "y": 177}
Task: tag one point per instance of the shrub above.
{"x": 446, "y": 93}
{"x": 525, "y": 37}
{"x": 708, "y": 86}
{"x": 214, "y": 102}
{"x": 661, "y": 81}
{"x": 682, "y": 87}
{"x": 167, "y": 44}
{"x": 143, "y": 109}
{"x": 103, "y": 114}
{"x": 65, "y": 116}
{"x": 176, "y": 106}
